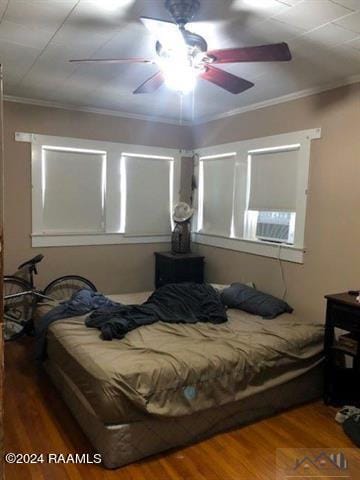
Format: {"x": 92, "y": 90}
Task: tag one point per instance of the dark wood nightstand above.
{"x": 177, "y": 268}
{"x": 342, "y": 381}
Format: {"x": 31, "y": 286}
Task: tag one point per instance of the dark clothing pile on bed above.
{"x": 81, "y": 302}
{"x": 174, "y": 303}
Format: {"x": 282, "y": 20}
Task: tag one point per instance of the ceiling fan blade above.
{"x": 151, "y": 84}
{"x": 168, "y": 33}
{"x": 226, "y": 80}
{"x": 275, "y": 52}
{"x": 112, "y": 60}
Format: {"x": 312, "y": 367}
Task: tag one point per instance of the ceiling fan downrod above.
{"x": 182, "y": 11}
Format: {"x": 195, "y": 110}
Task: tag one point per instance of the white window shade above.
{"x": 148, "y": 195}
{"x": 217, "y": 194}
{"x": 273, "y": 180}
{"x": 73, "y": 182}
{"x": 240, "y": 197}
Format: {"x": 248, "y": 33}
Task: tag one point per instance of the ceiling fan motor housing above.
{"x": 194, "y": 40}
{"x": 182, "y": 11}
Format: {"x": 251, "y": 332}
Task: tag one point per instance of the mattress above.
{"x": 131, "y": 441}
{"x": 177, "y": 370}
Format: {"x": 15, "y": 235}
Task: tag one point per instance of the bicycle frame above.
{"x": 18, "y": 314}
{"x": 27, "y": 274}
{"x": 33, "y": 293}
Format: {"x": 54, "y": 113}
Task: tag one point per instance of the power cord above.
{"x": 282, "y": 274}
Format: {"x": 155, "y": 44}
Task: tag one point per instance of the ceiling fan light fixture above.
{"x": 183, "y": 56}
{"x": 179, "y": 78}
{"x": 178, "y": 67}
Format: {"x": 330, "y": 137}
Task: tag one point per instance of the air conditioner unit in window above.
{"x": 275, "y": 227}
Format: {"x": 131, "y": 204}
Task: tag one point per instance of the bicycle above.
{"x": 21, "y": 296}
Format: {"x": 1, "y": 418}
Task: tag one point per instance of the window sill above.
{"x": 288, "y": 253}
{"x": 67, "y": 240}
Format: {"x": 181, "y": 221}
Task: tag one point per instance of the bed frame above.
{"x": 128, "y": 442}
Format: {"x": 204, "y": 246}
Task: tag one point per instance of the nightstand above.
{"x": 342, "y": 364}
{"x": 177, "y": 268}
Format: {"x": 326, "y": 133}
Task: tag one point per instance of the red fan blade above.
{"x": 151, "y": 84}
{"x": 276, "y": 52}
{"x": 112, "y": 60}
{"x": 226, "y": 80}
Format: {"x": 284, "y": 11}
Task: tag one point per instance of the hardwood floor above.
{"x": 37, "y": 420}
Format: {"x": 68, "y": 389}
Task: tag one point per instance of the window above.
{"x": 82, "y": 194}
{"x": 216, "y": 174}
{"x": 271, "y": 208}
{"x": 149, "y": 192}
{"x": 88, "y": 192}
{"x": 252, "y": 195}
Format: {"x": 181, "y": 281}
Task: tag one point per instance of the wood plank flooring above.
{"x": 37, "y": 420}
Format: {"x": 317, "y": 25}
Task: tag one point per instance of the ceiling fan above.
{"x": 183, "y": 56}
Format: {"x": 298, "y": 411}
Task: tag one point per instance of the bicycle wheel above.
{"x": 64, "y": 287}
{"x": 17, "y": 309}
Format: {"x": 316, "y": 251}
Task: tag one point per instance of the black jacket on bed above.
{"x": 174, "y": 303}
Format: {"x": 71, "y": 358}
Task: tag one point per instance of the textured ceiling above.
{"x": 38, "y": 37}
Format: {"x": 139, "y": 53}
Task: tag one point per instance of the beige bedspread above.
{"x": 175, "y": 369}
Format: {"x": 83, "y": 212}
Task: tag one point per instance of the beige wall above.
{"x": 332, "y": 260}
{"x": 114, "y": 268}
{"x": 332, "y": 236}
{"x": 187, "y": 170}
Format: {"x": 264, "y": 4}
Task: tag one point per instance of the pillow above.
{"x": 253, "y": 301}
{"x": 219, "y": 286}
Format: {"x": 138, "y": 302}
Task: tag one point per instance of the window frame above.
{"x": 114, "y": 152}
{"x": 295, "y": 252}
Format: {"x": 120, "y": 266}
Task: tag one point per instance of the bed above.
{"x": 168, "y": 385}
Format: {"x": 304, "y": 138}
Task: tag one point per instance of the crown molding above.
{"x": 100, "y": 111}
{"x": 202, "y": 120}
{"x": 282, "y": 99}
{"x": 186, "y": 152}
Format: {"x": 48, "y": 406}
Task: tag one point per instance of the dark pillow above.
{"x": 250, "y": 300}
